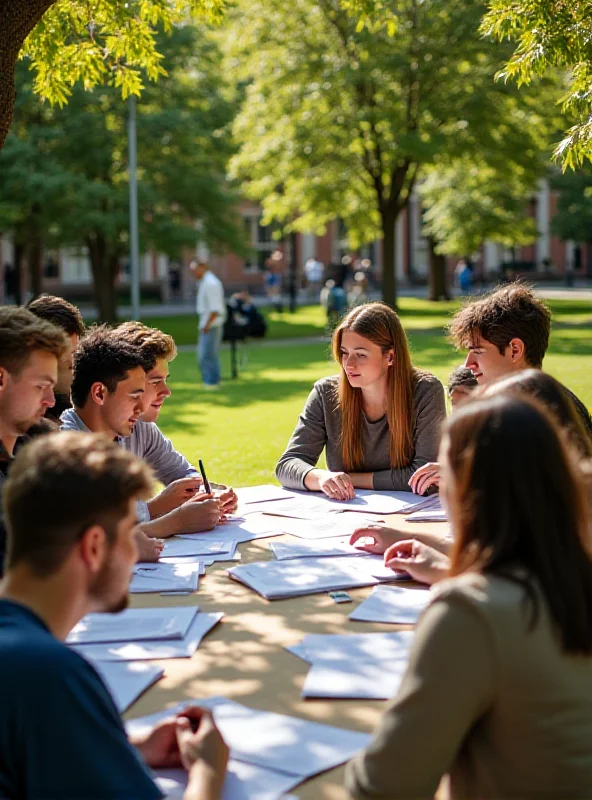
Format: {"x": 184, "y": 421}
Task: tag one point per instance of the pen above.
{"x": 203, "y": 475}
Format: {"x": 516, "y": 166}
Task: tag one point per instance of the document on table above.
{"x": 361, "y": 680}
{"x": 327, "y": 526}
{"x": 275, "y": 580}
{"x": 148, "y": 651}
{"x": 194, "y": 546}
{"x": 429, "y": 515}
{"x": 392, "y": 604}
{"x": 309, "y": 505}
{"x": 161, "y": 577}
{"x": 242, "y": 782}
{"x": 288, "y": 745}
{"x": 267, "y": 493}
{"x": 317, "y": 548}
{"x": 126, "y": 682}
{"x": 133, "y": 624}
{"x": 239, "y": 529}
{"x": 351, "y": 647}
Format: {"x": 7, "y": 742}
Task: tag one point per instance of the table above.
{"x": 243, "y": 657}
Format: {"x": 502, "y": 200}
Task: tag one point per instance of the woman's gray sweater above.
{"x": 319, "y": 427}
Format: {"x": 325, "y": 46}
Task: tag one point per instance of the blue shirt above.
{"x": 61, "y": 736}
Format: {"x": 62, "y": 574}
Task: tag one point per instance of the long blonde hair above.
{"x": 378, "y": 323}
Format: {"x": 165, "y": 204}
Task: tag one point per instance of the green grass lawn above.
{"x": 241, "y": 430}
{"x": 416, "y": 314}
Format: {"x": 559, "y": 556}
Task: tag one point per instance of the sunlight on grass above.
{"x": 241, "y": 430}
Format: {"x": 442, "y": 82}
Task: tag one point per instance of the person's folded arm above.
{"x": 305, "y": 445}
{"x": 430, "y": 414}
{"x": 449, "y": 684}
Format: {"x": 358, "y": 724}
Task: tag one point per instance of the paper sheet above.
{"x": 351, "y": 647}
{"x": 309, "y": 505}
{"x": 133, "y": 624}
{"x": 326, "y": 526}
{"x": 147, "y": 651}
{"x": 288, "y": 745}
{"x": 239, "y": 529}
{"x": 243, "y": 782}
{"x": 360, "y": 680}
{"x": 126, "y": 682}
{"x": 300, "y": 576}
{"x": 162, "y": 577}
{"x": 318, "y": 548}
{"x": 262, "y": 494}
{"x": 194, "y": 546}
{"x": 392, "y": 604}
{"x": 429, "y": 515}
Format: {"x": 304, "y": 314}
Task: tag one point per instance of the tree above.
{"x": 183, "y": 148}
{"x": 339, "y": 118}
{"x": 573, "y": 218}
{"x": 551, "y": 34}
{"x": 74, "y": 41}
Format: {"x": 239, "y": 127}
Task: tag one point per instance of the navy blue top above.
{"x": 61, "y": 736}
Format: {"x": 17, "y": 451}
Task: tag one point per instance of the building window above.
{"x": 262, "y": 241}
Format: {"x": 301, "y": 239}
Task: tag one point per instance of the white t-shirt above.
{"x": 210, "y": 297}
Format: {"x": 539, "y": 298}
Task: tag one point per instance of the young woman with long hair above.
{"x": 497, "y": 693}
{"x": 379, "y": 419}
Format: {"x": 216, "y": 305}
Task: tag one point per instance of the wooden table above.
{"x": 243, "y": 657}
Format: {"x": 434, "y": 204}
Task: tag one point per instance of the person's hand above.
{"x": 336, "y": 485}
{"x": 382, "y": 538}
{"x": 424, "y": 477}
{"x": 201, "y": 513}
{"x": 423, "y": 563}
{"x": 160, "y": 748}
{"x": 173, "y": 495}
{"x": 202, "y": 747}
{"x": 148, "y": 549}
{"x": 227, "y": 498}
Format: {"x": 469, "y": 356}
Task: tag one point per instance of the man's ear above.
{"x": 516, "y": 350}
{"x": 98, "y": 393}
{"x": 93, "y": 548}
{"x": 3, "y": 378}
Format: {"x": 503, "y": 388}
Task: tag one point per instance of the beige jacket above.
{"x": 503, "y": 711}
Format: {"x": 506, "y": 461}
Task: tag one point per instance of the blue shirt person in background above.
{"x": 70, "y": 504}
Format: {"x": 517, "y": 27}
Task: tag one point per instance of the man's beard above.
{"x": 99, "y": 591}
{"x": 21, "y": 426}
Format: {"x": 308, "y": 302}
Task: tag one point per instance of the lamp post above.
{"x": 133, "y": 210}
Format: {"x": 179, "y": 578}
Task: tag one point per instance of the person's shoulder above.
{"x": 490, "y": 597}
{"x": 425, "y": 385}
{"x": 327, "y": 387}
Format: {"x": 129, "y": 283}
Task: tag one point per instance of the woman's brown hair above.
{"x": 517, "y": 503}
{"x": 378, "y": 323}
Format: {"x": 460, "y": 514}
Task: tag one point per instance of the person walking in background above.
{"x": 211, "y": 310}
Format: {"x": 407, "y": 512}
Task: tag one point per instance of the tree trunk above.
{"x": 104, "y": 270}
{"x": 438, "y": 279}
{"x": 19, "y": 256}
{"x": 36, "y": 266}
{"x": 389, "y": 267}
{"x": 17, "y": 20}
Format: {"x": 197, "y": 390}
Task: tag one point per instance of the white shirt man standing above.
{"x": 211, "y": 309}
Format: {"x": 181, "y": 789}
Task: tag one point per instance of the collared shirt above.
{"x": 210, "y": 297}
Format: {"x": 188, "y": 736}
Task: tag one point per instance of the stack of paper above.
{"x": 317, "y": 548}
{"x": 326, "y": 526}
{"x": 262, "y": 494}
{"x": 145, "y": 624}
{"x": 366, "y": 666}
{"x": 430, "y": 510}
{"x": 276, "y": 580}
{"x": 392, "y": 604}
{"x": 194, "y": 545}
{"x": 138, "y": 641}
{"x": 238, "y": 529}
{"x": 126, "y": 682}
{"x": 269, "y": 753}
{"x": 169, "y": 578}
{"x": 308, "y": 505}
